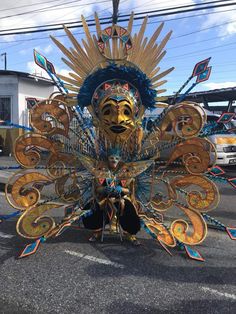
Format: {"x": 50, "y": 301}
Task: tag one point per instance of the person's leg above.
{"x": 95, "y": 221}
{"x": 130, "y": 222}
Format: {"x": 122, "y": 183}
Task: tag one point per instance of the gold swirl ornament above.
{"x": 196, "y": 155}
{"x": 162, "y": 233}
{"x": 68, "y": 189}
{"x": 34, "y": 224}
{"x": 23, "y": 195}
{"x": 180, "y": 228}
{"x": 205, "y": 198}
{"x": 50, "y": 115}
{"x": 157, "y": 201}
{"x": 59, "y": 162}
{"x": 186, "y": 121}
{"x": 28, "y": 147}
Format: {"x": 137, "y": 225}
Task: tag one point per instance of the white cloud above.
{"x": 219, "y": 85}
{"x": 63, "y": 72}
{"x": 221, "y": 18}
{"x": 33, "y": 68}
{"x": 47, "y": 49}
{"x": 8, "y": 38}
{"x": 43, "y": 50}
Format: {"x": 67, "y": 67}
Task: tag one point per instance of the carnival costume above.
{"x": 104, "y": 164}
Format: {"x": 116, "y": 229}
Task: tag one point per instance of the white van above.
{"x": 224, "y": 143}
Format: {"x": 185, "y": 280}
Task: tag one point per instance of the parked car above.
{"x": 225, "y": 143}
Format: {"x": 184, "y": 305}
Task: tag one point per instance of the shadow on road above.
{"x": 193, "y": 306}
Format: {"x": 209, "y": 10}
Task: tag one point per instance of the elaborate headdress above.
{"x": 114, "y": 54}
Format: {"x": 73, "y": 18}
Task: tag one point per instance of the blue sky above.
{"x": 183, "y": 50}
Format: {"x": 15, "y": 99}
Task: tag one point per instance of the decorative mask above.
{"x": 116, "y": 104}
{"x": 113, "y": 161}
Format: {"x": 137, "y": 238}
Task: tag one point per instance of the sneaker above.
{"x": 133, "y": 239}
{"x": 95, "y": 237}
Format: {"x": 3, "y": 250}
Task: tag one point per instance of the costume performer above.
{"x": 102, "y": 161}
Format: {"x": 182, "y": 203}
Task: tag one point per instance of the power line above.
{"x": 75, "y": 22}
{"x": 37, "y": 10}
{"x": 180, "y": 11}
{"x": 186, "y": 34}
{"x": 196, "y": 42}
{"x": 190, "y": 5}
{"x": 54, "y": 24}
{"x": 28, "y": 5}
{"x": 173, "y": 37}
{"x": 194, "y": 52}
{"x": 202, "y": 51}
{"x": 107, "y": 20}
{"x": 136, "y": 25}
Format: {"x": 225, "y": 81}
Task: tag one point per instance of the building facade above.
{"x": 15, "y": 88}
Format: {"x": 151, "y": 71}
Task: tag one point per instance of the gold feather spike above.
{"x": 162, "y": 98}
{"x": 69, "y": 56}
{"x": 77, "y": 78}
{"x": 161, "y": 91}
{"x": 98, "y": 26}
{"x": 63, "y": 49}
{"x": 107, "y": 50}
{"x": 87, "y": 32}
{"x": 71, "y": 95}
{"x": 154, "y": 37}
{"x": 158, "y": 84}
{"x": 90, "y": 46}
{"x": 82, "y": 66}
{"x": 130, "y": 24}
{"x": 164, "y": 42}
{"x": 161, "y": 75}
{"x": 149, "y": 62}
{"x": 93, "y": 53}
{"x": 73, "y": 67}
{"x": 69, "y": 80}
{"x": 156, "y": 60}
{"x": 75, "y": 89}
{"x": 140, "y": 58}
{"x": 154, "y": 72}
{"x": 138, "y": 40}
{"x": 161, "y": 104}
{"x": 79, "y": 49}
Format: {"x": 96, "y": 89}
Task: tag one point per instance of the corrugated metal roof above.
{"x": 222, "y": 94}
{"x": 27, "y": 75}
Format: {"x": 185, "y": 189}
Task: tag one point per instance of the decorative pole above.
{"x": 201, "y": 71}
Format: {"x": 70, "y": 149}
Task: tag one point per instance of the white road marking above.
{"x": 5, "y": 235}
{"x": 222, "y": 294}
{"x": 94, "y": 259}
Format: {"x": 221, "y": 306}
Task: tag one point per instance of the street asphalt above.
{"x": 70, "y": 275}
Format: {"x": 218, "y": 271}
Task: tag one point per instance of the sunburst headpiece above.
{"x": 115, "y": 55}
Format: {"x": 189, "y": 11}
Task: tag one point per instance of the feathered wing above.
{"x": 133, "y": 169}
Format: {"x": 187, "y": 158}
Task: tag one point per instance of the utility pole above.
{"x": 5, "y": 60}
{"x": 115, "y": 11}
